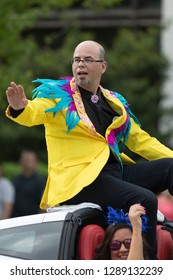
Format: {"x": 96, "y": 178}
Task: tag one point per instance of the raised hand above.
{"x": 135, "y": 213}
{"x": 16, "y": 96}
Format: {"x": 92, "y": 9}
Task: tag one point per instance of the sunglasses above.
{"x": 116, "y": 244}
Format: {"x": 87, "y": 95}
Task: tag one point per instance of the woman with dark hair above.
{"x": 123, "y": 238}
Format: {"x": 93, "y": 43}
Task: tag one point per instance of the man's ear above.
{"x": 104, "y": 66}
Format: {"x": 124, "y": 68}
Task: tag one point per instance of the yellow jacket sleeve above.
{"x": 140, "y": 142}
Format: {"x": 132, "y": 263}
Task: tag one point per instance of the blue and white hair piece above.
{"x": 116, "y": 216}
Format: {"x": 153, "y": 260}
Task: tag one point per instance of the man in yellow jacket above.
{"x": 85, "y": 125}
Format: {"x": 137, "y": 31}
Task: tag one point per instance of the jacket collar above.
{"x": 85, "y": 121}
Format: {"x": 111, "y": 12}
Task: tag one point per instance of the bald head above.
{"x": 91, "y": 46}
{"x": 89, "y": 66}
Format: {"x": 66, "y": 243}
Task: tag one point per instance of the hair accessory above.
{"x": 116, "y": 216}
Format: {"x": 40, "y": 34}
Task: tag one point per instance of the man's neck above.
{"x": 90, "y": 89}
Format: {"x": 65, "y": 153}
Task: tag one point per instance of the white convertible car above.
{"x": 62, "y": 233}
{"x": 48, "y": 236}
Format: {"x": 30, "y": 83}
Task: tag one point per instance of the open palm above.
{"x": 16, "y": 96}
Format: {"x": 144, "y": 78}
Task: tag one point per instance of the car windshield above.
{"x": 36, "y": 241}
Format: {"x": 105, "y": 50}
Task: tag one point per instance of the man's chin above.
{"x": 82, "y": 82}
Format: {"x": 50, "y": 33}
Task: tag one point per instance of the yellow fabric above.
{"x": 75, "y": 159}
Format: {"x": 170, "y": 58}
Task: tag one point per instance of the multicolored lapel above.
{"x": 70, "y": 100}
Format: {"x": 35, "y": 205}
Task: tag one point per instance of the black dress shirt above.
{"x": 101, "y": 114}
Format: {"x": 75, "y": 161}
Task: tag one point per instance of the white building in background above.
{"x": 166, "y": 123}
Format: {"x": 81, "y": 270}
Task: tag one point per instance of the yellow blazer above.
{"x": 76, "y": 158}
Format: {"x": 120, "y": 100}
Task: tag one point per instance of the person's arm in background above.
{"x": 7, "y": 199}
{"x": 7, "y": 210}
{"x": 136, "y": 248}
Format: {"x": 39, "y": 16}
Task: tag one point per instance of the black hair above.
{"x": 103, "y": 249}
